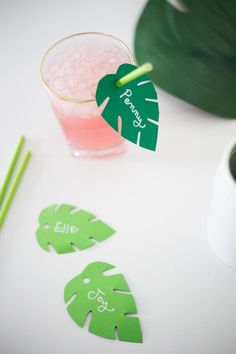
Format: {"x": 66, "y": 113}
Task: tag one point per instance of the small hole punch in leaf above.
{"x": 135, "y": 104}
{"x": 68, "y": 229}
{"x": 108, "y": 302}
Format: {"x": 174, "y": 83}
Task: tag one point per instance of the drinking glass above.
{"x": 70, "y": 71}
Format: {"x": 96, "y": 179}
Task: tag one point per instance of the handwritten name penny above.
{"x": 127, "y": 101}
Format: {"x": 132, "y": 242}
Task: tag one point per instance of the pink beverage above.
{"x": 71, "y": 70}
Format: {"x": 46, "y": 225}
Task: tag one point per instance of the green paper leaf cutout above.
{"x": 108, "y": 299}
{"x": 66, "y": 227}
{"x": 134, "y": 105}
{"x": 192, "y": 51}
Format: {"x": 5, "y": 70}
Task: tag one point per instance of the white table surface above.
{"x": 157, "y": 202}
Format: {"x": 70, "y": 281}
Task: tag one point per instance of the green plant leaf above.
{"x": 192, "y": 51}
{"x": 65, "y": 228}
{"x": 109, "y": 300}
{"x": 135, "y": 104}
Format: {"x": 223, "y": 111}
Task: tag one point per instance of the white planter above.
{"x": 222, "y": 218}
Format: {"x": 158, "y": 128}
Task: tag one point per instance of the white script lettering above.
{"x": 64, "y": 228}
{"x": 138, "y": 120}
{"x": 97, "y": 295}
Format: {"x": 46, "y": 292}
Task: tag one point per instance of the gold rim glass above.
{"x": 59, "y": 43}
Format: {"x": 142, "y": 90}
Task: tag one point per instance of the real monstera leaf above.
{"x": 192, "y": 51}
{"x": 131, "y": 109}
{"x": 108, "y": 299}
{"x": 66, "y": 228}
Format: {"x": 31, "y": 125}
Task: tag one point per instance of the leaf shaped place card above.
{"x": 108, "y": 299}
{"x": 67, "y": 228}
{"x": 132, "y": 106}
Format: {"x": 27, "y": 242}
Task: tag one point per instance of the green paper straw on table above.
{"x": 11, "y": 168}
{"x": 9, "y": 198}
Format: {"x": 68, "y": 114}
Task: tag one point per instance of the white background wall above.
{"x": 157, "y": 202}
